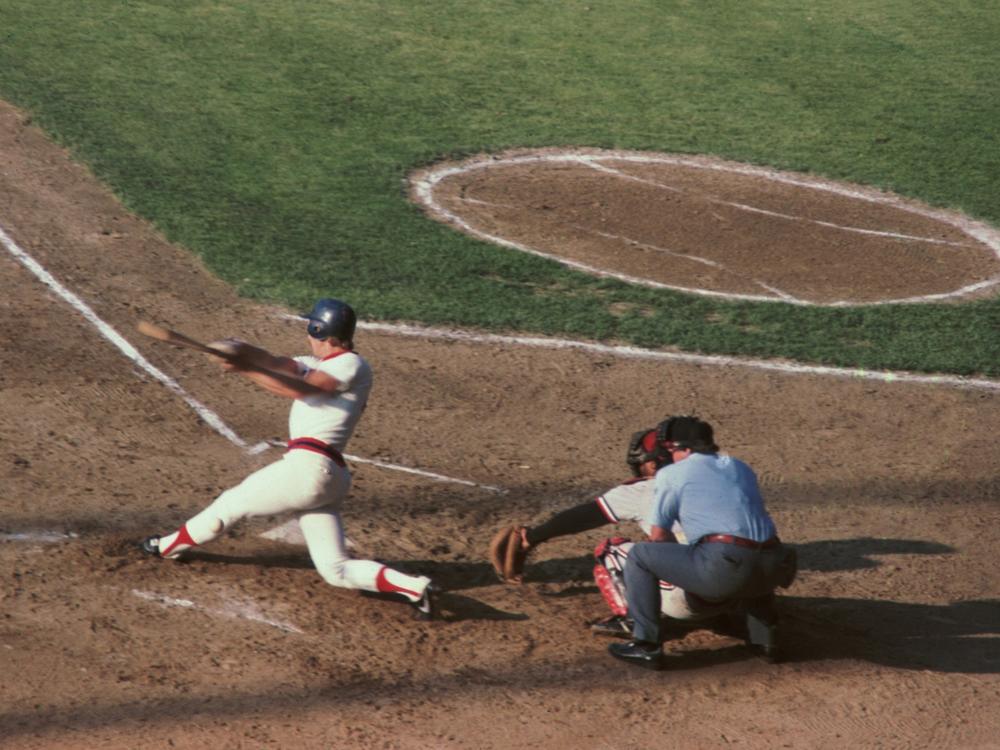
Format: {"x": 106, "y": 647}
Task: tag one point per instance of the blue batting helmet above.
{"x": 331, "y": 318}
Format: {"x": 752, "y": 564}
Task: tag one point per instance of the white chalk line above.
{"x": 38, "y": 537}
{"x": 236, "y": 610}
{"x": 631, "y": 352}
{"x": 695, "y": 258}
{"x": 109, "y": 333}
{"x": 654, "y": 248}
{"x": 424, "y": 186}
{"x": 207, "y": 415}
{"x": 776, "y": 214}
{"x": 426, "y": 474}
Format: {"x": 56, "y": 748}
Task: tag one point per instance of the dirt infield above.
{"x": 890, "y": 491}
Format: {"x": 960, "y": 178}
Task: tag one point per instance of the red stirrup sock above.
{"x": 405, "y": 585}
{"x": 182, "y": 540}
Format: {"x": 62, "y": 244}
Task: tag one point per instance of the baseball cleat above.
{"x": 425, "y": 608}
{"x": 616, "y": 626}
{"x": 639, "y": 653}
{"x": 150, "y": 546}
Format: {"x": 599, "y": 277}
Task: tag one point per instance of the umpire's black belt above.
{"x": 317, "y": 446}
{"x": 740, "y": 541}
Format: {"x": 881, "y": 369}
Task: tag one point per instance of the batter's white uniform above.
{"x": 310, "y": 480}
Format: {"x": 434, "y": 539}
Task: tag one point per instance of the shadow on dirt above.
{"x": 822, "y": 556}
{"x": 952, "y": 638}
{"x": 958, "y": 637}
{"x": 857, "y": 554}
{"x": 961, "y": 637}
{"x": 454, "y": 607}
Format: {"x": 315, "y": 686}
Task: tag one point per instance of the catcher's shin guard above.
{"x": 611, "y": 589}
{"x": 611, "y": 555}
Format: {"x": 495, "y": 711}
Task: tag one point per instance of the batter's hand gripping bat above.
{"x": 296, "y": 382}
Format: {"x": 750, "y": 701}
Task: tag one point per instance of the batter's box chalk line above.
{"x": 37, "y": 537}
{"x": 242, "y": 609}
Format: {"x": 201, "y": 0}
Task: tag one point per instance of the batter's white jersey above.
{"x": 311, "y": 483}
{"x": 332, "y": 419}
{"x": 631, "y": 501}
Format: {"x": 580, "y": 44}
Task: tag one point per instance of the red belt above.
{"x": 317, "y": 446}
{"x": 740, "y": 541}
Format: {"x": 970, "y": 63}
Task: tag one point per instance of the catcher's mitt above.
{"x": 507, "y": 555}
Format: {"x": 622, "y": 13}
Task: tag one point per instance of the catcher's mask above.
{"x": 683, "y": 432}
{"x": 643, "y": 447}
{"x": 331, "y": 318}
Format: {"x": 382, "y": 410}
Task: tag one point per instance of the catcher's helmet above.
{"x": 680, "y": 433}
{"x": 643, "y": 447}
{"x": 331, "y": 318}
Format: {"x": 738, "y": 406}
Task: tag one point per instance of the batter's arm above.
{"x": 283, "y": 376}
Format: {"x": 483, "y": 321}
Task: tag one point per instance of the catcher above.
{"x": 629, "y": 501}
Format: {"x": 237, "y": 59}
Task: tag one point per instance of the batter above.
{"x": 330, "y": 390}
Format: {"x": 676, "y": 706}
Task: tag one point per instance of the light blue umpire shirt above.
{"x": 710, "y": 494}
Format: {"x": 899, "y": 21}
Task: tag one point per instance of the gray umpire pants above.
{"x": 712, "y": 571}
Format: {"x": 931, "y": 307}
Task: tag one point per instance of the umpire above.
{"x": 734, "y": 557}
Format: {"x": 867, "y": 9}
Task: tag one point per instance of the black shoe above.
{"x": 616, "y": 626}
{"x": 640, "y": 653}
{"x": 150, "y": 546}
{"x": 425, "y": 608}
{"x": 771, "y": 653}
{"x": 769, "y": 650}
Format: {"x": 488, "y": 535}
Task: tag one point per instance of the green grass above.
{"x": 273, "y": 139}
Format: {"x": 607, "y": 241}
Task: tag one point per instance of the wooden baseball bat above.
{"x": 179, "y": 339}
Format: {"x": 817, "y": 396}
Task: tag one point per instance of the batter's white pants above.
{"x": 313, "y": 487}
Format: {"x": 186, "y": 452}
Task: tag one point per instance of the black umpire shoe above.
{"x": 769, "y": 648}
{"x": 640, "y": 653}
{"x": 425, "y": 608}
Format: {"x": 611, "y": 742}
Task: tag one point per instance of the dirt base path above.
{"x": 890, "y": 490}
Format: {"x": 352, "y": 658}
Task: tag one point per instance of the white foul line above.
{"x": 632, "y": 352}
{"x": 207, "y": 415}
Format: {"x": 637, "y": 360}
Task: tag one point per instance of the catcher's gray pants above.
{"x": 712, "y": 571}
